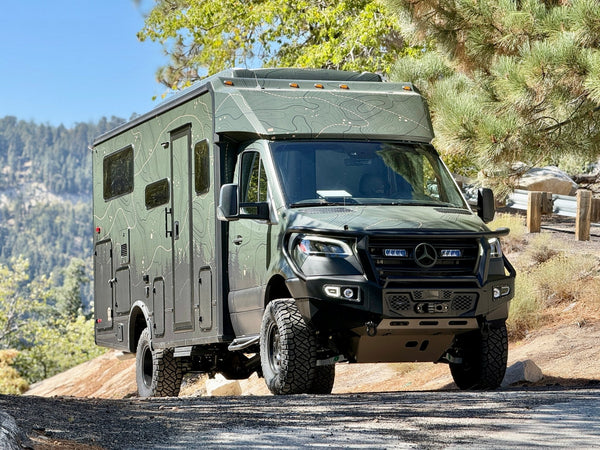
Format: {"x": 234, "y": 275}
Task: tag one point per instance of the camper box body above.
{"x": 196, "y": 234}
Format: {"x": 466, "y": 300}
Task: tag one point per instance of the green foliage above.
{"x": 44, "y": 323}
{"x": 55, "y": 345}
{"x": 508, "y": 80}
{"x": 17, "y": 309}
{"x": 68, "y": 297}
{"x": 212, "y": 35}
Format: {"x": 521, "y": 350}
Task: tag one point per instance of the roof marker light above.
{"x": 294, "y": 85}
{"x": 407, "y": 88}
{"x": 344, "y": 86}
{"x": 319, "y": 86}
{"x": 228, "y": 83}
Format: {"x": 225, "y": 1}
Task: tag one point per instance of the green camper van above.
{"x": 282, "y": 221}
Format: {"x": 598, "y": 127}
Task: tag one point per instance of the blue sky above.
{"x": 69, "y": 61}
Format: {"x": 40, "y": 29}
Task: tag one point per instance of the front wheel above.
{"x": 158, "y": 373}
{"x": 288, "y": 349}
{"x": 484, "y": 356}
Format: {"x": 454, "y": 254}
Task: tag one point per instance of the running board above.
{"x": 242, "y": 343}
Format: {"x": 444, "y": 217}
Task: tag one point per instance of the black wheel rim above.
{"x": 274, "y": 349}
{"x": 147, "y": 366}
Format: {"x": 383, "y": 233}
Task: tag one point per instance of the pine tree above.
{"x": 508, "y": 80}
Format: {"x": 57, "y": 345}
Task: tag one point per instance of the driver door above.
{"x": 249, "y": 248}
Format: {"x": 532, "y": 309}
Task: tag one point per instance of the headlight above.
{"x": 320, "y": 255}
{"x": 495, "y": 248}
{"x": 306, "y": 246}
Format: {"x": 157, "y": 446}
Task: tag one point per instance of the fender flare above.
{"x": 139, "y": 308}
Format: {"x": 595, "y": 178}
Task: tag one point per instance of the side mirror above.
{"x": 228, "y": 204}
{"x": 485, "y": 205}
{"x": 255, "y": 210}
{"x": 229, "y": 210}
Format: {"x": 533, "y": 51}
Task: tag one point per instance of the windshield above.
{"x": 353, "y": 172}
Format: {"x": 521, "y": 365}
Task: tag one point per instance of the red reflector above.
{"x": 98, "y": 229}
{"x": 99, "y": 321}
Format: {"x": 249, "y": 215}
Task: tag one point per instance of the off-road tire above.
{"x": 158, "y": 373}
{"x": 323, "y": 381}
{"x": 288, "y": 349}
{"x": 484, "y": 355}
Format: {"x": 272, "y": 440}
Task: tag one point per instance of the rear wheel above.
{"x": 158, "y": 373}
{"x": 484, "y": 356}
{"x": 288, "y": 349}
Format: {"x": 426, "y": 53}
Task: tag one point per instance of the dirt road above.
{"x": 436, "y": 419}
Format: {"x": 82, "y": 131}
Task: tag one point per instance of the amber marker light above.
{"x": 294, "y": 85}
{"x": 228, "y": 83}
{"x": 344, "y": 86}
{"x": 319, "y": 86}
{"x": 406, "y": 88}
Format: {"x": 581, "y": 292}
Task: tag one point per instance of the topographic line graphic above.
{"x": 123, "y": 212}
{"x": 168, "y": 126}
{"x": 366, "y": 110}
{"x": 154, "y": 258}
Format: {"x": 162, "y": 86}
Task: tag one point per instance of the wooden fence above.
{"x": 583, "y": 207}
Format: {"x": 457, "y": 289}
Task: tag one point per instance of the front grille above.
{"x": 463, "y": 302}
{"x": 395, "y": 257}
{"x": 412, "y": 301}
{"x": 399, "y": 302}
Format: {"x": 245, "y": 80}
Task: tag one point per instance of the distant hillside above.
{"x": 46, "y": 192}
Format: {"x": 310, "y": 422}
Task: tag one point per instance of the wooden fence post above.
{"x": 584, "y": 212}
{"x": 534, "y": 212}
{"x": 595, "y": 210}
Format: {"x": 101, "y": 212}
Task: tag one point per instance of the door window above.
{"x": 253, "y": 182}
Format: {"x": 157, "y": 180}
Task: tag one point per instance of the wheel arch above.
{"x": 276, "y": 288}
{"x": 139, "y": 318}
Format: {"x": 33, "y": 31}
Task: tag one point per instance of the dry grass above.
{"x": 555, "y": 282}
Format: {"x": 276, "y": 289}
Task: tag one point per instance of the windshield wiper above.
{"x": 305, "y": 204}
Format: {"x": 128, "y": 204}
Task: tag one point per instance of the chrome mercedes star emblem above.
{"x": 425, "y": 255}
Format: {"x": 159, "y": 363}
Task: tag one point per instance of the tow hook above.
{"x": 371, "y": 328}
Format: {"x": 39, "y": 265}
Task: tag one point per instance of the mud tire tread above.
{"x": 485, "y": 357}
{"x": 167, "y": 371}
{"x": 298, "y": 349}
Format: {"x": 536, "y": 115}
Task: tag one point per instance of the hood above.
{"x": 385, "y": 218}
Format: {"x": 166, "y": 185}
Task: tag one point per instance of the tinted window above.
{"x": 202, "y": 167}
{"x": 254, "y": 179}
{"x": 359, "y": 172}
{"x": 118, "y": 173}
{"x": 157, "y": 193}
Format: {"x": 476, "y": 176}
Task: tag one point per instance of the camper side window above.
{"x": 118, "y": 173}
{"x": 157, "y": 193}
{"x": 201, "y": 167}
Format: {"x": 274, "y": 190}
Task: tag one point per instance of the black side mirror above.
{"x": 228, "y": 204}
{"x": 486, "y": 208}
{"x": 229, "y": 209}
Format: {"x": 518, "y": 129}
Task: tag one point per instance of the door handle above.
{"x": 238, "y": 240}
{"x": 176, "y": 230}
{"x": 168, "y": 212}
